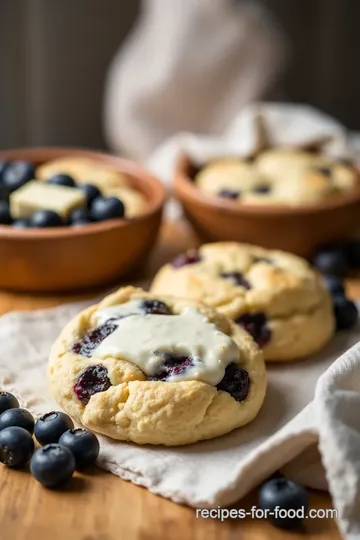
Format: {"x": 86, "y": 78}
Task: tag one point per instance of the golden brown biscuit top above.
{"x": 238, "y": 278}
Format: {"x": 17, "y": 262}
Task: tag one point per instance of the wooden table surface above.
{"x": 100, "y": 506}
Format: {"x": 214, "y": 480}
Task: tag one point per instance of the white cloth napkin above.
{"x": 313, "y": 401}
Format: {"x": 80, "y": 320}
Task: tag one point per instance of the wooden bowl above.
{"x": 298, "y": 229}
{"x": 69, "y": 258}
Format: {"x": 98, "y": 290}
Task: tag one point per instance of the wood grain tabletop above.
{"x": 100, "y": 506}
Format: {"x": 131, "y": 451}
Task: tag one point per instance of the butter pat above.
{"x": 36, "y": 195}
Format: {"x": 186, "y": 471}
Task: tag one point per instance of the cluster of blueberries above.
{"x": 334, "y": 262}
{"x": 15, "y": 174}
{"x": 63, "y": 448}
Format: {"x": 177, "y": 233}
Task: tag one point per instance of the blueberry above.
{"x": 107, "y": 208}
{"x": 79, "y": 214}
{"x": 3, "y": 167}
{"x": 155, "y": 307}
{"x": 5, "y": 216}
{"x": 325, "y": 171}
{"x": 45, "y": 218}
{"x": 261, "y": 188}
{"x": 21, "y": 224}
{"x": 91, "y": 380}
{"x": 4, "y": 193}
{"x": 173, "y": 365}
{"x": 16, "y": 446}
{"x": 83, "y": 444}
{"x": 229, "y": 194}
{"x": 91, "y": 192}
{"x": 256, "y": 324}
{"x": 17, "y": 417}
{"x": 93, "y": 338}
{"x": 236, "y": 382}
{"x": 191, "y": 257}
{"x": 7, "y": 401}
{"x": 237, "y": 278}
{"x": 352, "y": 250}
{"x": 52, "y": 465}
{"x": 286, "y": 500}
{"x": 334, "y": 284}
{"x": 61, "y": 180}
{"x": 50, "y": 427}
{"x": 331, "y": 261}
{"x": 346, "y": 313}
{"x": 16, "y": 174}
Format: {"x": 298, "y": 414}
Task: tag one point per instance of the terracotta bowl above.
{"x": 299, "y": 230}
{"x": 69, "y": 258}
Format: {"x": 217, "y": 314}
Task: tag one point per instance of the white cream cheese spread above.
{"x": 103, "y": 315}
{"x": 147, "y": 339}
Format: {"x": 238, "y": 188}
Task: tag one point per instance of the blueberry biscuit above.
{"x": 278, "y": 176}
{"x": 275, "y": 296}
{"x": 154, "y": 369}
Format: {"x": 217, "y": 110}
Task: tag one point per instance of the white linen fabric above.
{"x": 314, "y": 402}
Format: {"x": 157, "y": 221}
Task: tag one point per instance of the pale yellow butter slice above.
{"x": 35, "y": 196}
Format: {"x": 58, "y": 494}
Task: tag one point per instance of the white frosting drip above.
{"x": 103, "y": 315}
{"x": 144, "y": 339}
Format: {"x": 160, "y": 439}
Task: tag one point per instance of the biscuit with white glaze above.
{"x": 116, "y": 398}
